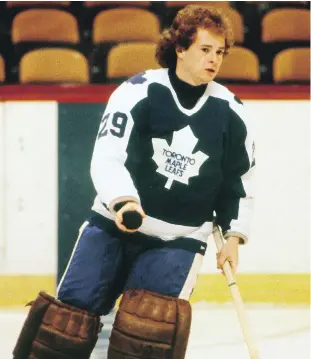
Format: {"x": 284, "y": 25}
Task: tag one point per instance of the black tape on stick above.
{"x": 132, "y": 219}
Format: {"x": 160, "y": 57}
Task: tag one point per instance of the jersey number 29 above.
{"x": 119, "y": 121}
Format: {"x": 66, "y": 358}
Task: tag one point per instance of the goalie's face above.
{"x": 200, "y": 63}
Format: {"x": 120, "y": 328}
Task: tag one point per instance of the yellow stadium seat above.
{"x": 53, "y": 65}
{"x": 11, "y": 4}
{"x": 45, "y": 25}
{"x": 128, "y": 59}
{"x": 240, "y": 65}
{"x": 237, "y": 24}
{"x": 281, "y": 25}
{"x": 90, "y": 4}
{"x": 125, "y": 24}
{"x": 170, "y": 4}
{"x": 292, "y": 65}
{"x": 2, "y": 69}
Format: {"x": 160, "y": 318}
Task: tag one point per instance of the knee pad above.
{"x": 56, "y": 330}
{"x": 150, "y": 325}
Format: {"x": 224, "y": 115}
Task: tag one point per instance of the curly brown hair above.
{"x": 184, "y": 29}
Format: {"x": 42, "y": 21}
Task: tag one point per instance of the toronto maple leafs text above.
{"x": 177, "y": 163}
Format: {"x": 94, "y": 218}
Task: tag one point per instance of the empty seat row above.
{"x": 123, "y": 24}
{"x": 109, "y": 25}
{"x": 59, "y": 65}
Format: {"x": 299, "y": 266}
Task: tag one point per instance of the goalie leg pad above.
{"x": 150, "y": 325}
{"x": 54, "y": 330}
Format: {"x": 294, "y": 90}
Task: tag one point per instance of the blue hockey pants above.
{"x": 102, "y": 266}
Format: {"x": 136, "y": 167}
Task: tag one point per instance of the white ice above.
{"x": 281, "y": 332}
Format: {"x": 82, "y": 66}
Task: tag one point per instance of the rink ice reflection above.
{"x": 281, "y": 332}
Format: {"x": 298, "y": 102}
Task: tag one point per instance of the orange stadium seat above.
{"x": 53, "y": 65}
{"x": 125, "y": 60}
{"x": 241, "y": 65}
{"x": 281, "y": 25}
{"x": 236, "y": 21}
{"x": 292, "y": 65}
{"x": 125, "y": 24}
{"x": 46, "y": 25}
{"x": 119, "y": 25}
{"x": 11, "y": 4}
{"x": 2, "y": 69}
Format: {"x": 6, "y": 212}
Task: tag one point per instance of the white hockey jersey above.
{"x": 181, "y": 164}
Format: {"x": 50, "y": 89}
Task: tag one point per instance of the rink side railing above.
{"x": 101, "y": 93}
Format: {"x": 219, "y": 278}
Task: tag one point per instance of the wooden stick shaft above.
{"x": 236, "y": 298}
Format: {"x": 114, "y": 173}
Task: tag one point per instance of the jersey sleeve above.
{"x": 110, "y": 177}
{"x": 234, "y": 205}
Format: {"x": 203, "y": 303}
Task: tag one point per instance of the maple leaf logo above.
{"x": 177, "y": 162}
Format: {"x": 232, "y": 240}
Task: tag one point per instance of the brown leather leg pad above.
{"x": 54, "y": 330}
{"x": 150, "y": 326}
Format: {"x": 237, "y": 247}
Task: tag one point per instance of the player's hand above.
{"x": 230, "y": 253}
{"x": 123, "y": 211}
